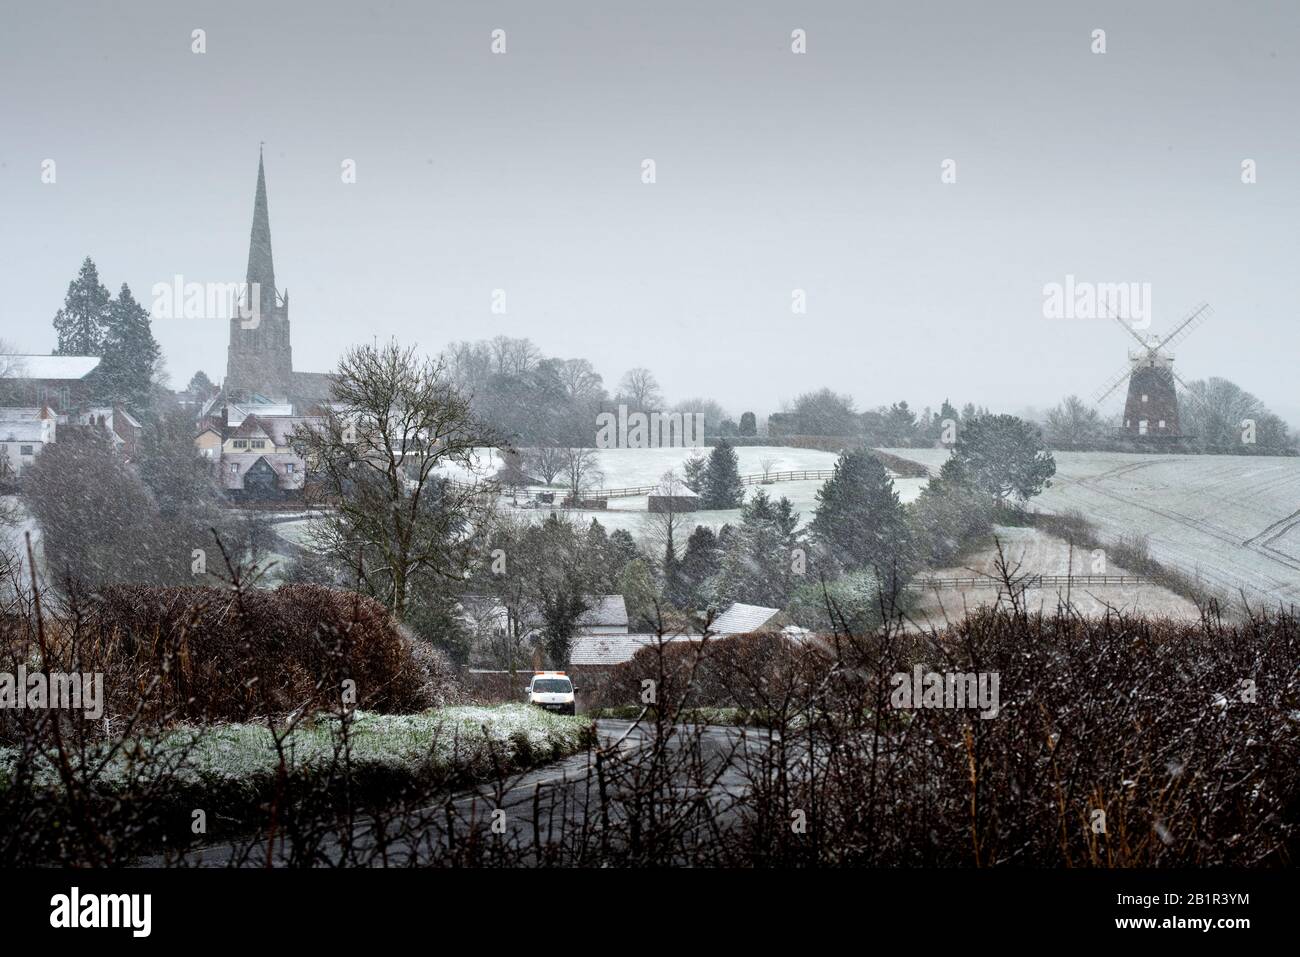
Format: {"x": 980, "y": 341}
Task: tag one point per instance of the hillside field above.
{"x": 1232, "y": 522}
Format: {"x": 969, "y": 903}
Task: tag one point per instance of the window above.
{"x": 289, "y": 468}
{"x": 1142, "y": 426}
{"x": 234, "y": 468}
{"x": 259, "y": 443}
{"x": 25, "y": 450}
{"x": 241, "y": 443}
{"x": 1162, "y": 423}
{"x": 1144, "y": 398}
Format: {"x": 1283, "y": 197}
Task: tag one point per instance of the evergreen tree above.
{"x": 748, "y": 424}
{"x": 200, "y": 384}
{"x": 721, "y": 480}
{"x": 636, "y": 585}
{"x": 622, "y": 550}
{"x": 1004, "y": 456}
{"x": 698, "y": 567}
{"x": 949, "y": 516}
{"x": 859, "y": 523}
{"x": 80, "y": 323}
{"x": 694, "y": 472}
{"x": 130, "y": 354}
{"x": 756, "y": 566}
{"x": 900, "y": 425}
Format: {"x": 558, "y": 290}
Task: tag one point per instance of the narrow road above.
{"x": 706, "y": 768}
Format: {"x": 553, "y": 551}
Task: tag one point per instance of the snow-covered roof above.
{"x": 611, "y": 650}
{"x": 21, "y": 414}
{"x": 26, "y": 430}
{"x": 47, "y": 367}
{"x": 235, "y": 414}
{"x": 740, "y": 619}
{"x": 674, "y": 490}
{"x": 610, "y": 611}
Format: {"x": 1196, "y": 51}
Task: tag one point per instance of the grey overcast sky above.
{"x": 775, "y": 172}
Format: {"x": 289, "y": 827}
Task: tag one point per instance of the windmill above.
{"x": 1151, "y": 411}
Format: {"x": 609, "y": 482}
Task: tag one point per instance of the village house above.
{"x": 595, "y": 653}
{"x": 251, "y": 448}
{"x": 24, "y": 432}
{"x": 60, "y": 383}
{"x": 120, "y": 425}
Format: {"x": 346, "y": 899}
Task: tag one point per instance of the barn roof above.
{"x": 673, "y": 490}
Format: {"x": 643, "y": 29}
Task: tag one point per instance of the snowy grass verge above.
{"x": 233, "y": 771}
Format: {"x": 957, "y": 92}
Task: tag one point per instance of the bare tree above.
{"x": 581, "y": 380}
{"x": 767, "y": 465}
{"x": 514, "y": 356}
{"x": 545, "y": 461}
{"x": 640, "y": 388}
{"x": 581, "y": 470}
{"x": 1074, "y": 425}
{"x": 375, "y": 461}
{"x": 663, "y": 529}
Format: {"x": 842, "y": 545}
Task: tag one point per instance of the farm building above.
{"x": 672, "y": 497}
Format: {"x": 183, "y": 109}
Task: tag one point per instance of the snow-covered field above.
{"x": 1231, "y": 521}
{"x": 1029, "y": 551}
{"x": 625, "y": 468}
{"x": 630, "y": 468}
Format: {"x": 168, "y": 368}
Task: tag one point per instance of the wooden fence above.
{"x": 1030, "y": 581}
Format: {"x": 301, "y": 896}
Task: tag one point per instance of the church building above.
{"x": 259, "y": 359}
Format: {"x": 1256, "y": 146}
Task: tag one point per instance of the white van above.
{"x": 553, "y": 691}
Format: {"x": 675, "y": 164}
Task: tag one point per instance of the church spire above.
{"x": 261, "y": 270}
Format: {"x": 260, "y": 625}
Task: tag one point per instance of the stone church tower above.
{"x": 259, "y": 361}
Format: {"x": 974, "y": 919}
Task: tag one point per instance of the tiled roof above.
{"x": 251, "y": 426}
{"x": 615, "y": 649}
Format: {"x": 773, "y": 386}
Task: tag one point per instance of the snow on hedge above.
{"x": 443, "y": 739}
